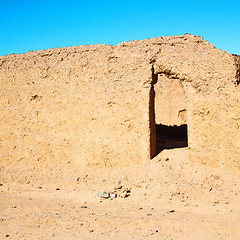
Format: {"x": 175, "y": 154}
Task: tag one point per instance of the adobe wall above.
{"x": 82, "y": 104}
{"x": 92, "y": 105}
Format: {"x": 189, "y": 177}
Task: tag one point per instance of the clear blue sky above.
{"x": 41, "y": 24}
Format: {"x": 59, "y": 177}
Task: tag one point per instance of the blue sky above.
{"x": 41, "y": 24}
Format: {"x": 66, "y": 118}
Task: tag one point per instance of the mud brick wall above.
{"x": 82, "y": 104}
{"x": 98, "y": 105}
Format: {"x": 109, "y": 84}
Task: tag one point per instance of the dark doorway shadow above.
{"x": 169, "y": 137}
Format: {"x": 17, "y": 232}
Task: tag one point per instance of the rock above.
{"x": 114, "y": 195}
{"x": 83, "y": 206}
{"x": 117, "y": 187}
{"x": 125, "y": 189}
{"x": 124, "y": 195}
{"x": 103, "y": 194}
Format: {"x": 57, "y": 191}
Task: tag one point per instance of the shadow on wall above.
{"x": 169, "y": 137}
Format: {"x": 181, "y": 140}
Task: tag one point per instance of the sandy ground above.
{"x": 171, "y": 198}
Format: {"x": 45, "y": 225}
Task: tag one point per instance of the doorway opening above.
{"x": 168, "y": 114}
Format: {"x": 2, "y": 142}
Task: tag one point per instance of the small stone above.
{"x": 125, "y": 189}
{"x": 57, "y": 189}
{"x": 83, "y": 206}
{"x": 7, "y": 235}
{"x": 124, "y": 195}
{"x": 172, "y": 211}
{"x": 118, "y": 182}
{"x": 103, "y": 194}
{"x": 117, "y": 187}
{"x": 114, "y": 195}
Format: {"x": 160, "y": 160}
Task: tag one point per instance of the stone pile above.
{"x": 118, "y": 191}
